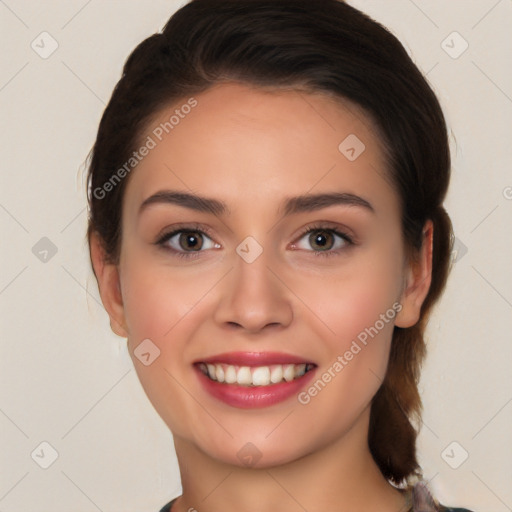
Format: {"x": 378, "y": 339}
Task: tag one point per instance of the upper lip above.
{"x": 254, "y": 359}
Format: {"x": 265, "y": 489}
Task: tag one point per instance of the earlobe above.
{"x": 109, "y": 285}
{"x": 417, "y": 281}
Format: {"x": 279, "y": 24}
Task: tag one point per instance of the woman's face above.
{"x": 246, "y": 286}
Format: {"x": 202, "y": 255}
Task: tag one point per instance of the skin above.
{"x": 252, "y": 149}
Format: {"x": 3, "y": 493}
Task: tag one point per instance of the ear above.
{"x": 417, "y": 281}
{"x": 107, "y": 276}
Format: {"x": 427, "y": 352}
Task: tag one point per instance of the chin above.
{"x": 257, "y": 455}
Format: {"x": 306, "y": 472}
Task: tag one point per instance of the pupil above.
{"x": 191, "y": 241}
{"x": 320, "y": 239}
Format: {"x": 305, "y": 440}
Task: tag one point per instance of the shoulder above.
{"x": 168, "y": 506}
{"x": 453, "y": 509}
{"x": 420, "y": 499}
{"x": 442, "y": 508}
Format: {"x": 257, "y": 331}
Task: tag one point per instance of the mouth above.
{"x": 254, "y": 376}
{"x": 249, "y": 380}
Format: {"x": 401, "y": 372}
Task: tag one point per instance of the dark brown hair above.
{"x": 321, "y": 46}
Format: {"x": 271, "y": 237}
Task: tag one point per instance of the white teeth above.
{"x": 219, "y": 373}
{"x": 276, "y": 375}
{"x": 230, "y": 374}
{"x": 261, "y": 376}
{"x": 211, "y": 371}
{"x": 243, "y": 376}
{"x": 289, "y": 372}
{"x": 254, "y": 376}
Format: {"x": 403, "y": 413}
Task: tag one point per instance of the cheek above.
{"x": 158, "y": 306}
{"x": 361, "y": 314}
{"x": 353, "y": 301}
{"x": 156, "y": 298}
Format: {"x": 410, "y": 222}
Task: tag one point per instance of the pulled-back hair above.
{"x": 321, "y": 46}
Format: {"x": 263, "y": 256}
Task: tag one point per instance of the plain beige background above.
{"x": 68, "y": 382}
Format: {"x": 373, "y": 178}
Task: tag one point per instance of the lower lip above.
{"x": 252, "y": 397}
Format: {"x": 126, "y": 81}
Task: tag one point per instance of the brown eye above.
{"x": 186, "y": 241}
{"x": 190, "y": 240}
{"x": 321, "y": 240}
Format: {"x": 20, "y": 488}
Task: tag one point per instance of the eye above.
{"x": 325, "y": 240}
{"x": 189, "y": 240}
{"x": 186, "y": 240}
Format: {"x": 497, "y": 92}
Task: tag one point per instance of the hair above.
{"x": 325, "y": 46}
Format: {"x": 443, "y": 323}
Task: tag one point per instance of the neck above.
{"x": 340, "y": 476}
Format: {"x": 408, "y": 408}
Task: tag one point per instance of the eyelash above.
{"x": 197, "y": 228}
{"x": 325, "y": 227}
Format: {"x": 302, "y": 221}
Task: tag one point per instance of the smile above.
{"x": 253, "y": 376}
{"x": 249, "y": 380}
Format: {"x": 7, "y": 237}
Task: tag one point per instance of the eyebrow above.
{"x": 293, "y": 205}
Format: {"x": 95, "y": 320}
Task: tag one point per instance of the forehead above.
{"x": 248, "y": 147}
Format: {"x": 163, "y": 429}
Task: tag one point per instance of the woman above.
{"x": 267, "y": 231}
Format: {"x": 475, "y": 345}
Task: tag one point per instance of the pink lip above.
{"x": 251, "y": 397}
{"x": 254, "y": 359}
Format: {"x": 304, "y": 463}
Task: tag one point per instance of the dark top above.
{"x": 419, "y": 499}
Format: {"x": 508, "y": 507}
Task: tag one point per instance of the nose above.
{"x": 254, "y": 298}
